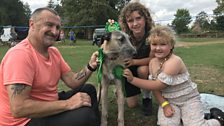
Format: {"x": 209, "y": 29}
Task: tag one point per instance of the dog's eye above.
{"x": 107, "y": 36}
{"x": 121, "y": 38}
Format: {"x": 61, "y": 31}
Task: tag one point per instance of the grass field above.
{"x": 205, "y": 63}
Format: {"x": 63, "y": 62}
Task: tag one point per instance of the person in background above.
{"x": 170, "y": 81}
{"x": 13, "y": 37}
{"x": 136, "y": 21}
{"x": 28, "y": 90}
{"x": 13, "y": 34}
{"x": 72, "y": 37}
{"x": 62, "y": 36}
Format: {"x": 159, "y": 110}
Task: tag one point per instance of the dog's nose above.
{"x": 131, "y": 51}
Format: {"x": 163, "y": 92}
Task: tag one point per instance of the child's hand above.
{"x": 168, "y": 111}
{"x": 127, "y": 73}
{"x": 128, "y": 62}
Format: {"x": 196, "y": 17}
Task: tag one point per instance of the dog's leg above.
{"x": 104, "y": 101}
{"x": 120, "y": 103}
{"x": 99, "y": 92}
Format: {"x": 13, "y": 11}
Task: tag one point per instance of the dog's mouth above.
{"x": 111, "y": 55}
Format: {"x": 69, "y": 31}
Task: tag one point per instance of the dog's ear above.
{"x": 106, "y": 37}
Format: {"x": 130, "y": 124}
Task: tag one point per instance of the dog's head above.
{"x": 116, "y": 45}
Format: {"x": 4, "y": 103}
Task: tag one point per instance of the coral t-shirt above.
{"x": 23, "y": 64}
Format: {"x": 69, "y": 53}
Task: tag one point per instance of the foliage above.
{"x": 13, "y": 12}
{"x": 121, "y": 3}
{"x": 202, "y": 21}
{"x": 27, "y": 12}
{"x": 88, "y": 12}
{"x": 51, "y": 4}
{"x": 219, "y": 10}
{"x": 220, "y": 23}
{"x": 181, "y": 21}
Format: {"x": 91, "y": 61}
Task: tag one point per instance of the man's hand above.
{"x": 78, "y": 100}
{"x": 93, "y": 60}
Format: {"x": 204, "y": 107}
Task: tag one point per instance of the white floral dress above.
{"x": 184, "y": 97}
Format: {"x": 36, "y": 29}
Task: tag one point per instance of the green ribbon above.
{"x": 100, "y": 68}
{"x": 118, "y": 74}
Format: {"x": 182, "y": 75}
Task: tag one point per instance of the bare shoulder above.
{"x": 153, "y": 60}
{"x": 173, "y": 65}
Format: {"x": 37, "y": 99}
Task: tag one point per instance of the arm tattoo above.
{"x": 18, "y": 88}
{"x": 81, "y": 74}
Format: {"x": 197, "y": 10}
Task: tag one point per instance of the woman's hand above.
{"x": 129, "y": 62}
{"x": 128, "y": 74}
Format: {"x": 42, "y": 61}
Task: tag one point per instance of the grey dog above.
{"x": 116, "y": 48}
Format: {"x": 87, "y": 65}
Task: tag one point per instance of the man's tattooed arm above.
{"x": 81, "y": 74}
{"x": 18, "y": 88}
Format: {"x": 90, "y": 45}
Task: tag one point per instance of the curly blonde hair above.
{"x": 162, "y": 34}
{"x": 126, "y": 12}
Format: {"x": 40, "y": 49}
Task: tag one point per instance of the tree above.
{"x": 219, "y": 12}
{"x": 121, "y": 3}
{"x": 220, "y": 23}
{"x": 202, "y": 21}
{"x": 181, "y": 21}
{"x": 88, "y": 12}
{"x": 12, "y": 12}
{"x": 213, "y": 25}
{"x": 59, "y": 9}
{"x": 27, "y": 12}
{"x": 51, "y": 4}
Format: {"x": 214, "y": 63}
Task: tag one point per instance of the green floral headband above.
{"x": 112, "y": 25}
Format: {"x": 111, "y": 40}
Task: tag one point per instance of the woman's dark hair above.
{"x": 142, "y": 10}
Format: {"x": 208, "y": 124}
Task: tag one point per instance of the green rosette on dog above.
{"x": 118, "y": 74}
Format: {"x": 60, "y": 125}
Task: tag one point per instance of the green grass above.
{"x": 199, "y": 39}
{"x": 205, "y": 64}
{"x": 3, "y": 50}
{"x": 210, "y": 55}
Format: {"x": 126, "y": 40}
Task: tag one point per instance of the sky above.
{"x": 162, "y": 10}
